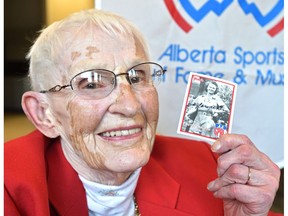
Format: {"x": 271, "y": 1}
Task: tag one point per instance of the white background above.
{"x": 259, "y": 108}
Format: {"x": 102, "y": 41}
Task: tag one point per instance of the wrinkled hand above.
{"x": 244, "y": 193}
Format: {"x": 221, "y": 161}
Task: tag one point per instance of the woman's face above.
{"x": 211, "y": 88}
{"x": 114, "y": 134}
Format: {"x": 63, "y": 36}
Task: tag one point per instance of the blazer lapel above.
{"x": 66, "y": 192}
{"x": 154, "y": 195}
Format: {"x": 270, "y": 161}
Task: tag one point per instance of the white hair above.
{"x": 47, "y": 63}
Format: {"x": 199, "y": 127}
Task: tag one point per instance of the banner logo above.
{"x": 198, "y": 14}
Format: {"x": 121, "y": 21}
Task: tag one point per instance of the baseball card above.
{"x": 208, "y": 106}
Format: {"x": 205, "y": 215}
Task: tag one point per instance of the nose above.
{"x": 123, "y": 74}
{"x": 126, "y": 101}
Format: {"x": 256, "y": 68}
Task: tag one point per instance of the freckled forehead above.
{"x": 99, "y": 49}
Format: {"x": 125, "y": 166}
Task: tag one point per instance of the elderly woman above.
{"x": 95, "y": 151}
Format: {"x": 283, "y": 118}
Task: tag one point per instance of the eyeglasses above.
{"x": 99, "y": 83}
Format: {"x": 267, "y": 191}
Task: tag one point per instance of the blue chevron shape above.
{"x": 261, "y": 19}
{"x": 210, "y": 5}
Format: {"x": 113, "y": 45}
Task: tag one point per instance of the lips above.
{"x": 120, "y": 133}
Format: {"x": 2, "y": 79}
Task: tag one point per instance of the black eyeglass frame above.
{"x": 58, "y": 88}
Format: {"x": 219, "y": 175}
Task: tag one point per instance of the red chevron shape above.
{"x": 184, "y": 25}
{"x": 277, "y": 28}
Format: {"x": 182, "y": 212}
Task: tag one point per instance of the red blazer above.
{"x": 40, "y": 182}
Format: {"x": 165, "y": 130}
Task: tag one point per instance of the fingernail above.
{"x": 210, "y": 185}
{"x": 216, "y": 146}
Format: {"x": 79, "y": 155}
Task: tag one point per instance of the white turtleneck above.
{"x": 109, "y": 199}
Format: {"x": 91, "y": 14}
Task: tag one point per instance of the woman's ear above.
{"x": 35, "y": 109}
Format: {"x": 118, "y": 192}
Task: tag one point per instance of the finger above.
{"x": 256, "y": 197}
{"x": 243, "y": 154}
{"x": 237, "y": 173}
{"x": 247, "y": 155}
{"x": 241, "y": 174}
{"x": 229, "y": 141}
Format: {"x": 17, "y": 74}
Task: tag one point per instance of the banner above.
{"x": 240, "y": 41}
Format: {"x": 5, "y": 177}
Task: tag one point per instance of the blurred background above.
{"x": 22, "y": 20}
